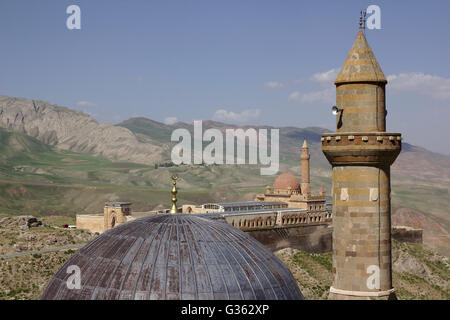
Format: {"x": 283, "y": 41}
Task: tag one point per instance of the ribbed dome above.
{"x": 360, "y": 65}
{"x": 175, "y": 257}
{"x": 286, "y": 180}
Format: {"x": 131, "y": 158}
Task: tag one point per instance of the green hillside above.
{"x": 38, "y": 179}
{"x": 420, "y": 179}
{"x": 418, "y": 273}
{"x": 159, "y": 132}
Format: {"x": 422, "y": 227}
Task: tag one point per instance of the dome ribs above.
{"x": 175, "y": 257}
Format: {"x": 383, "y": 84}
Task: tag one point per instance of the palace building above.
{"x": 223, "y": 250}
{"x": 288, "y": 189}
{"x": 198, "y": 252}
{"x": 288, "y": 203}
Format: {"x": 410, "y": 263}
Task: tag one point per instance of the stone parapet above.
{"x": 361, "y": 147}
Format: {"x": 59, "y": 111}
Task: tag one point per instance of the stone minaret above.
{"x": 361, "y": 153}
{"x": 305, "y": 186}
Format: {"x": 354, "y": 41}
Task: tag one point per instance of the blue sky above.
{"x": 252, "y": 62}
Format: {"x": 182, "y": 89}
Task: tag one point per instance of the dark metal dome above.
{"x": 175, "y": 257}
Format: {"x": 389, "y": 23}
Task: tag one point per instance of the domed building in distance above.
{"x": 290, "y": 205}
{"x": 297, "y": 194}
{"x": 286, "y": 181}
{"x": 174, "y": 256}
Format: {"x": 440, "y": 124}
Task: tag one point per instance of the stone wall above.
{"x": 407, "y": 234}
{"x": 311, "y": 238}
{"x": 264, "y": 220}
{"x": 92, "y": 222}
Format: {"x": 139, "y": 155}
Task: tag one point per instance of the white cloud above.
{"x": 242, "y": 117}
{"x": 86, "y": 104}
{"x": 326, "y": 77}
{"x": 170, "y": 120}
{"x": 273, "y": 84}
{"x": 295, "y": 96}
{"x": 426, "y": 84}
{"x": 325, "y": 95}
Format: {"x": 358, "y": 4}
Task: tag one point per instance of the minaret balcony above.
{"x": 361, "y": 147}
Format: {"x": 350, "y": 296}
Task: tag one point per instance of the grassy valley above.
{"x": 39, "y": 179}
{"x": 54, "y": 185}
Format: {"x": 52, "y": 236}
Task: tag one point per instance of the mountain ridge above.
{"x": 63, "y": 180}
{"x": 146, "y": 141}
{"x": 73, "y": 130}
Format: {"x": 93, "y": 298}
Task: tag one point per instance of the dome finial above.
{"x": 174, "y": 208}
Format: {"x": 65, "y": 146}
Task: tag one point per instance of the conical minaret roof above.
{"x": 305, "y": 145}
{"x": 360, "y": 65}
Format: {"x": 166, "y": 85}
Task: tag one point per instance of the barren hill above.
{"x": 56, "y": 181}
{"x": 74, "y": 130}
{"x": 413, "y": 162}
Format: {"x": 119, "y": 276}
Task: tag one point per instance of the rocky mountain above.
{"x": 146, "y": 141}
{"x": 420, "y": 178}
{"x": 74, "y": 130}
{"x": 413, "y": 162}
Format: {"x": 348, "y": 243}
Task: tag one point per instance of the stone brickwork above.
{"x": 314, "y": 238}
{"x": 358, "y": 101}
{"x": 361, "y": 153}
{"x": 279, "y": 219}
{"x": 91, "y": 222}
{"x": 191, "y": 209}
{"x": 361, "y": 222}
{"x": 304, "y": 157}
{"x": 115, "y": 213}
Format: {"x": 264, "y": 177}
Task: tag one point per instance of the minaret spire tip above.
{"x": 305, "y": 144}
{"x": 362, "y": 20}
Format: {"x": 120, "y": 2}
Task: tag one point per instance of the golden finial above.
{"x": 174, "y": 208}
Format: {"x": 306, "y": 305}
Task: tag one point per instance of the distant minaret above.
{"x": 174, "y": 192}
{"x": 305, "y": 186}
{"x": 361, "y": 153}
